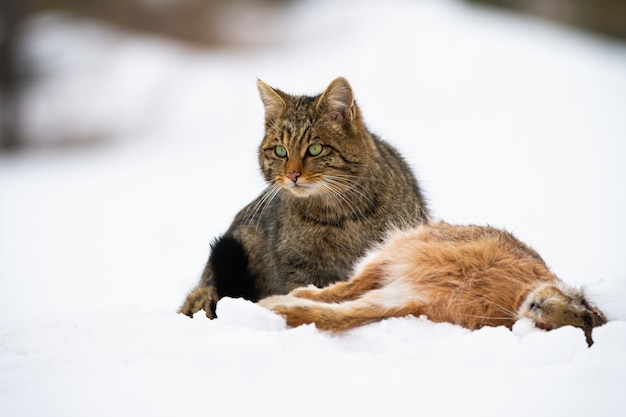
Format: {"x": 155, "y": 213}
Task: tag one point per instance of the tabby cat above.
{"x": 471, "y": 276}
{"x": 333, "y": 191}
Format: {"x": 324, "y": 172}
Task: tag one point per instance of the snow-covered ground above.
{"x": 505, "y": 120}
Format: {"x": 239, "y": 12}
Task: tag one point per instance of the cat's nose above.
{"x": 293, "y": 175}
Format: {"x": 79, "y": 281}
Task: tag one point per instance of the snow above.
{"x": 506, "y": 121}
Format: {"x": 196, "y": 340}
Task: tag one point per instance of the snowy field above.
{"x": 506, "y": 121}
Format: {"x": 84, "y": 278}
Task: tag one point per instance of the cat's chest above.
{"x": 326, "y": 245}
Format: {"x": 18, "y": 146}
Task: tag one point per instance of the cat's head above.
{"x": 313, "y": 145}
{"x": 554, "y": 305}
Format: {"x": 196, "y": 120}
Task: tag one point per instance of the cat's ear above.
{"x": 337, "y": 101}
{"x": 272, "y": 101}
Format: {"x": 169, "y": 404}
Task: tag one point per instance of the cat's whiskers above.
{"x": 339, "y": 186}
{"x": 353, "y": 182}
{"x": 336, "y": 193}
{"x": 268, "y": 199}
{"x": 347, "y": 184}
{"x": 261, "y": 204}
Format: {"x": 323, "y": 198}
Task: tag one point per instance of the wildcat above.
{"x": 334, "y": 189}
{"x": 472, "y": 276}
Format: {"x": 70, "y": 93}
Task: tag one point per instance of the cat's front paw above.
{"x": 201, "y": 298}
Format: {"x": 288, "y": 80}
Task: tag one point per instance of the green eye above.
{"x": 281, "y": 151}
{"x": 315, "y": 149}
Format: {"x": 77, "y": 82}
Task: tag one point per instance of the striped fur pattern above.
{"x": 472, "y": 276}
{"x": 334, "y": 189}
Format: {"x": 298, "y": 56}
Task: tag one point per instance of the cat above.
{"x": 334, "y": 190}
{"x": 472, "y": 276}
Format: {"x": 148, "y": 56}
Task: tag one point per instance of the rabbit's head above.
{"x": 554, "y": 305}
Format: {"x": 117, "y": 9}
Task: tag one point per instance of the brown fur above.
{"x": 321, "y": 211}
{"x": 472, "y": 276}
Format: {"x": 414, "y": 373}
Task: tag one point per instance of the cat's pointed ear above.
{"x": 272, "y": 101}
{"x": 337, "y": 101}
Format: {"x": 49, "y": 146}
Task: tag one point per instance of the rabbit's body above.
{"x": 473, "y": 276}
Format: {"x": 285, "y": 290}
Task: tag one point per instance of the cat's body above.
{"x": 334, "y": 190}
{"x": 472, "y": 276}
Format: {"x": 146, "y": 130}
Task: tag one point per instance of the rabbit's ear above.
{"x": 587, "y": 330}
{"x": 596, "y": 317}
{"x": 592, "y": 318}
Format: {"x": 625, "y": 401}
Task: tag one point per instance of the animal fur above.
{"x": 472, "y": 276}
{"x": 333, "y": 191}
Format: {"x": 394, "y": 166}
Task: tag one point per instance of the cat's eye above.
{"x": 315, "y": 149}
{"x": 280, "y": 151}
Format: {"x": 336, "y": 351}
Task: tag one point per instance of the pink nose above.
{"x": 293, "y": 175}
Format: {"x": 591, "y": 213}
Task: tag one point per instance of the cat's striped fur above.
{"x": 334, "y": 189}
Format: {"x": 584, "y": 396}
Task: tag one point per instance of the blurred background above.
{"x": 129, "y": 129}
{"x": 209, "y": 24}
{"x": 192, "y": 23}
